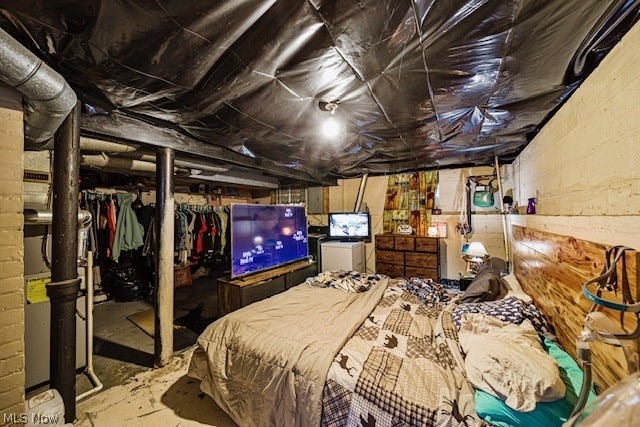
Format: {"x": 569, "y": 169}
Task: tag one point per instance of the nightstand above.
{"x": 465, "y": 281}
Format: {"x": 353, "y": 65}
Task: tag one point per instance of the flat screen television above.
{"x": 350, "y": 226}
{"x": 266, "y": 236}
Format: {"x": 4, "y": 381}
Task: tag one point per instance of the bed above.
{"x": 388, "y": 356}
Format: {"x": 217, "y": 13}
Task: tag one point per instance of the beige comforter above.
{"x": 266, "y": 364}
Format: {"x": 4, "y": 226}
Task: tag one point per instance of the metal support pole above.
{"x": 65, "y": 283}
{"x": 363, "y": 185}
{"x": 163, "y": 339}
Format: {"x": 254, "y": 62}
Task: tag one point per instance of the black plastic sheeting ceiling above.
{"x": 420, "y": 84}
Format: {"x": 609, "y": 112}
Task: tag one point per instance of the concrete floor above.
{"x": 122, "y": 349}
{"x": 134, "y": 393}
{"x": 154, "y": 398}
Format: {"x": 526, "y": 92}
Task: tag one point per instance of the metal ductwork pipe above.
{"x": 65, "y": 283}
{"x": 35, "y": 216}
{"x": 48, "y": 97}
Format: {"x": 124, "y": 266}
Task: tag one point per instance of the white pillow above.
{"x": 495, "y": 362}
{"x": 515, "y": 290}
{"x": 512, "y": 282}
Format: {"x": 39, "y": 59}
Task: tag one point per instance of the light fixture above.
{"x": 475, "y": 255}
{"x": 476, "y": 250}
{"x": 331, "y": 127}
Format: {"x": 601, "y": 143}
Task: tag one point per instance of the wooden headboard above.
{"x": 552, "y": 269}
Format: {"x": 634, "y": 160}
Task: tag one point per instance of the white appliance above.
{"x": 342, "y": 256}
{"x": 37, "y": 316}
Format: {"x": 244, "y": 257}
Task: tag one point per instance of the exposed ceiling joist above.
{"x": 131, "y": 130}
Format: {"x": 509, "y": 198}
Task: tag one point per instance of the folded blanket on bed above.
{"x": 426, "y": 290}
{"x": 508, "y": 361}
{"x": 511, "y": 310}
{"x": 348, "y": 281}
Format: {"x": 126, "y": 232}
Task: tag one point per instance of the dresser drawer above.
{"x": 425, "y": 273}
{"x": 421, "y": 259}
{"x": 384, "y": 242}
{"x": 390, "y": 257}
{"x": 391, "y": 270}
{"x": 404, "y": 243}
{"x": 426, "y": 244}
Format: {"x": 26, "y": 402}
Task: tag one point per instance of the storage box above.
{"x": 181, "y": 277}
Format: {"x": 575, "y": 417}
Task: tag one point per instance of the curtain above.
{"x": 409, "y": 200}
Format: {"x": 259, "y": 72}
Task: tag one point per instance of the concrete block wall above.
{"x": 11, "y": 255}
{"x": 583, "y": 165}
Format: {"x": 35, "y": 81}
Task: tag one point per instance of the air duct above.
{"x": 36, "y": 216}
{"x": 48, "y": 97}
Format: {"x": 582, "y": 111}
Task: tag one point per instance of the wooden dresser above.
{"x": 407, "y": 256}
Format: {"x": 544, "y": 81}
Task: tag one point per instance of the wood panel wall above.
{"x": 552, "y": 269}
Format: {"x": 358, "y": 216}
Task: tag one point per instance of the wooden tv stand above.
{"x": 242, "y": 291}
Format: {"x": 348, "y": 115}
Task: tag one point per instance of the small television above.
{"x": 266, "y": 236}
{"x": 350, "y": 226}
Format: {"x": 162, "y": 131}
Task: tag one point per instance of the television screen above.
{"x": 265, "y": 236}
{"x": 349, "y": 225}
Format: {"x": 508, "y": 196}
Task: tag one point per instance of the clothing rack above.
{"x": 200, "y": 208}
{"x": 99, "y": 195}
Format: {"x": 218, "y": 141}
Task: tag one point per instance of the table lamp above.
{"x": 475, "y": 254}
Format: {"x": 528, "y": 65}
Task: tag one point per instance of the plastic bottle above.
{"x": 531, "y": 207}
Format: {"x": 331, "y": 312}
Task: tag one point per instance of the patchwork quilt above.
{"x": 400, "y": 368}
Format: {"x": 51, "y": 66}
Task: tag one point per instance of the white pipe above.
{"x": 363, "y": 184}
{"x": 503, "y": 214}
{"x": 104, "y": 161}
{"x": 89, "y": 304}
{"x": 133, "y": 151}
{"x": 90, "y": 144}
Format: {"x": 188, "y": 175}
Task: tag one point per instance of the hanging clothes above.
{"x": 129, "y": 233}
{"x": 111, "y": 222}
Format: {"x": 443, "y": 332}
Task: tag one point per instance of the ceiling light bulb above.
{"x": 330, "y": 128}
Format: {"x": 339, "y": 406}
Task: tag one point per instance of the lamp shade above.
{"x": 476, "y": 249}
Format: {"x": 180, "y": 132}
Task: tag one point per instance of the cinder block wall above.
{"x": 583, "y": 167}
{"x": 11, "y": 255}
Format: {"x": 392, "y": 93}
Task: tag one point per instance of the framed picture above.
{"x": 437, "y": 229}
